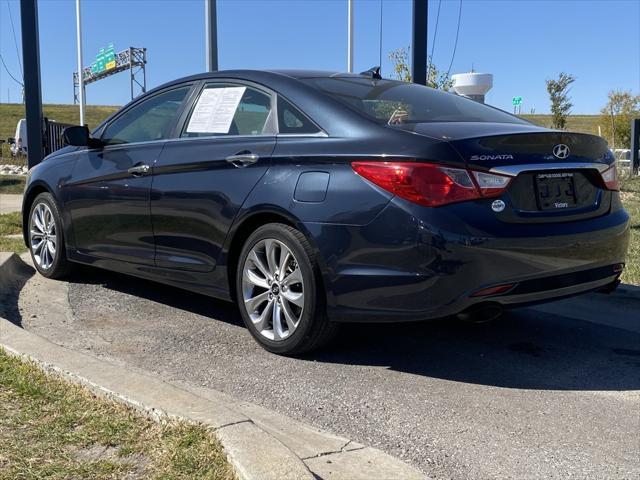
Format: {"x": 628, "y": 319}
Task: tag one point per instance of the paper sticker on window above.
{"x": 215, "y": 110}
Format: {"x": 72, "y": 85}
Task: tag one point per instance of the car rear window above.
{"x": 394, "y": 102}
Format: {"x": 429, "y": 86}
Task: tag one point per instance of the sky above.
{"x": 521, "y": 42}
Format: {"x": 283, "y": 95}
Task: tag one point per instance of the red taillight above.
{"x": 610, "y": 178}
{"x": 429, "y": 184}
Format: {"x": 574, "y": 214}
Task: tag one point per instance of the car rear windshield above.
{"x": 396, "y": 103}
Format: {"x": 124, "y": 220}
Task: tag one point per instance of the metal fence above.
{"x": 53, "y": 135}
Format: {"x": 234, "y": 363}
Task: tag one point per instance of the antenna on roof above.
{"x": 373, "y": 72}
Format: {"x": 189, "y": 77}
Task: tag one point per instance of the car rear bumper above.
{"x": 407, "y": 265}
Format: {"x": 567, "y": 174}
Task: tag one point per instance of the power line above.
{"x": 9, "y": 73}
{"x": 15, "y": 42}
{"x": 433, "y": 45}
{"x": 455, "y": 46}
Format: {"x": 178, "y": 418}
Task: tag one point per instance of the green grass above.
{"x": 10, "y": 113}
{"x": 631, "y": 200}
{"x": 575, "y": 123}
{"x": 15, "y": 245}
{"x": 10, "y": 223}
{"x": 12, "y": 184}
{"x": 52, "y": 429}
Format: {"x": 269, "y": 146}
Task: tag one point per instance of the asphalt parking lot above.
{"x": 544, "y": 393}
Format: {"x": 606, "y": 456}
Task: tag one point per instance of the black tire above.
{"x": 60, "y": 266}
{"x": 314, "y": 329}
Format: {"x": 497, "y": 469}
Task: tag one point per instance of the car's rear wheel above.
{"x": 279, "y": 291}
{"x": 46, "y": 238}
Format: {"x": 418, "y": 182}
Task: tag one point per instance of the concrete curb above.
{"x": 260, "y": 444}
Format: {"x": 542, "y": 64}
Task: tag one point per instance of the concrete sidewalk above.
{"x": 10, "y": 203}
{"x": 259, "y": 443}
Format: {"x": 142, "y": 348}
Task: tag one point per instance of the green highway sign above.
{"x": 517, "y": 101}
{"x": 105, "y": 60}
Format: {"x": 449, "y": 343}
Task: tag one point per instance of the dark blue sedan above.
{"x": 314, "y": 198}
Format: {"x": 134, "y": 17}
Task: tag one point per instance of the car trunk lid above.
{"x": 556, "y": 174}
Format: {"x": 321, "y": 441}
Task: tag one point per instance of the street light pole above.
{"x": 419, "y": 42}
{"x": 211, "y": 33}
{"x": 32, "y": 91}
{"x": 350, "y": 36}
{"x": 80, "y": 76}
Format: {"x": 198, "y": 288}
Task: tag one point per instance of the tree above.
{"x": 560, "y": 101}
{"x": 401, "y": 70}
{"x": 621, "y": 108}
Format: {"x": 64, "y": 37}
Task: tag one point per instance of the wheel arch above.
{"x": 29, "y": 197}
{"x": 250, "y": 222}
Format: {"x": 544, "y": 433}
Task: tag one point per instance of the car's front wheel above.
{"x": 279, "y": 291}
{"x": 46, "y": 238}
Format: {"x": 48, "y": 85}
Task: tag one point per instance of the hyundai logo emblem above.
{"x": 561, "y": 151}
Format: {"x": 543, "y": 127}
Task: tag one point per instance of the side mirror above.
{"x": 80, "y": 137}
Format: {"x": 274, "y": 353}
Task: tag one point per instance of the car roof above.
{"x": 257, "y": 75}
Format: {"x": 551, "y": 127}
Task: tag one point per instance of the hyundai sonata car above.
{"x": 314, "y": 198}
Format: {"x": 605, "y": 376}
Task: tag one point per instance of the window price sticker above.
{"x": 215, "y": 110}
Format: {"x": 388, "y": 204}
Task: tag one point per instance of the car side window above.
{"x": 292, "y": 120}
{"x": 150, "y": 120}
{"x": 229, "y": 109}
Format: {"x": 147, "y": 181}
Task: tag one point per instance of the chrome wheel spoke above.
{"x": 270, "y": 247}
{"x": 278, "y": 330}
{"x": 292, "y": 321}
{"x": 285, "y": 256}
{"x": 37, "y": 246}
{"x": 257, "y": 280}
{"x": 253, "y": 303}
{"x": 293, "y": 278}
{"x": 257, "y": 261}
{"x": 37, "y": 219}
{"x": 297, "y": 298}
{"x": 51, "y": 248}
{"x": 262, "y": 322}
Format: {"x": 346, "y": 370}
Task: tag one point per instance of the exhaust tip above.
{"x": 481, "y": 313}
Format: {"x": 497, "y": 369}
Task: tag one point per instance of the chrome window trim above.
{"x": 321, "y": 133}
{"x": 514, "y": 170}
{"x": 219, "y": 137}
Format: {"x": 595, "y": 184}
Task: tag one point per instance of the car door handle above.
{"x": 242, "y": 159}
{"x": 139, "y": 170}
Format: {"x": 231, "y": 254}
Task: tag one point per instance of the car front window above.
{"x": 150, "y": 120}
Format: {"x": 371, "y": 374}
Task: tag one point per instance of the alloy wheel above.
{"x": 43, "y": 236}
{"x": 273, "y": 289}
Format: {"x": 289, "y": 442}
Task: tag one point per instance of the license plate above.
{"x": 556, "y": 191}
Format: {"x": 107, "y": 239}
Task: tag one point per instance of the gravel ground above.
{"x": 536, "y": 395}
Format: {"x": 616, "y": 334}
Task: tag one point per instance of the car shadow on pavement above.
{"x": 157, "y": 292}
{"x": 10, "y": 291}
{"x": 526, "y": 349}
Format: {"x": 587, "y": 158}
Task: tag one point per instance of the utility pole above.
{"x": 32, "y": 90}
{"x": 635, "y": 146}
{"x": 350, "y": 36}
{"x": 80, "y": 75}
{"x": 419, "y": 42}
{"x": 211, "y": 34}
{"x": 613, "y": 129}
